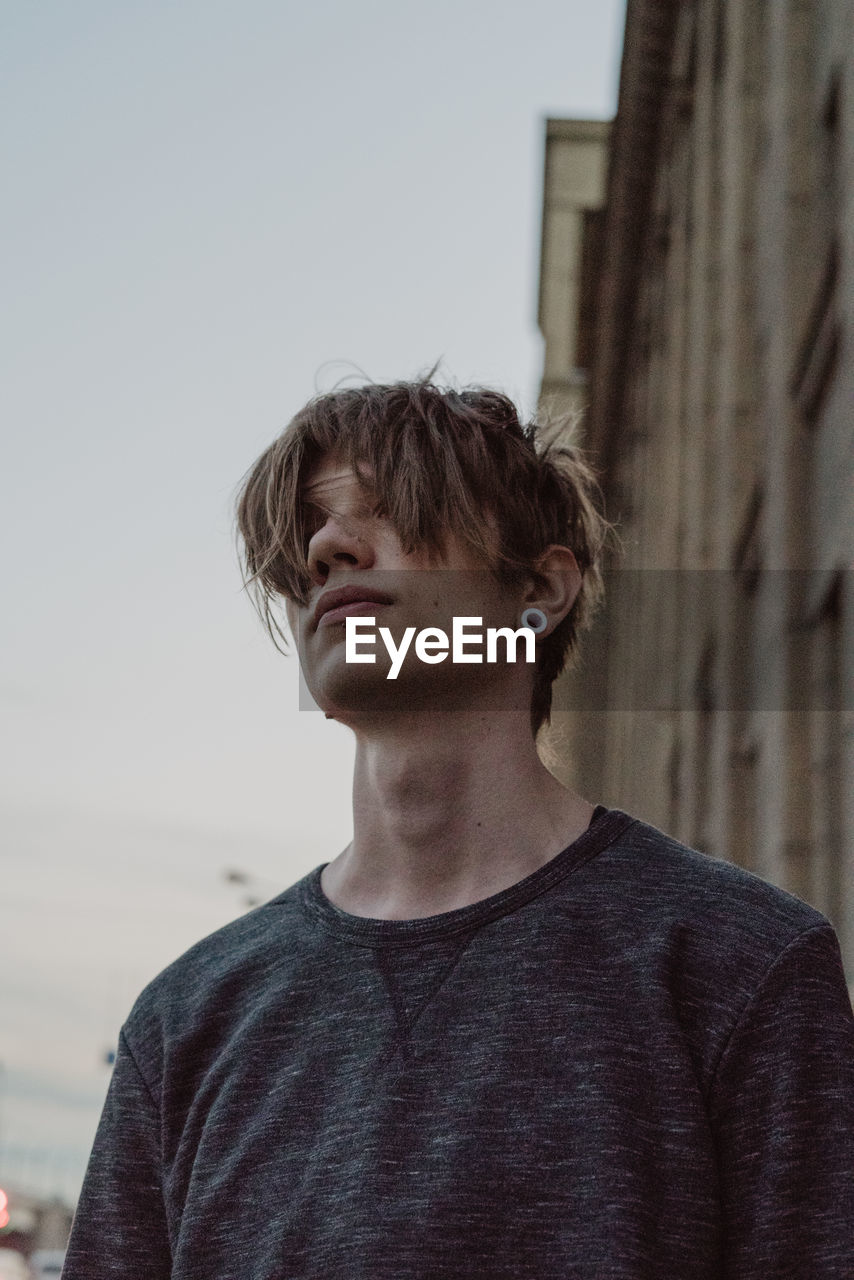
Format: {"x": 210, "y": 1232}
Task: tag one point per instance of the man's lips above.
{"x": 358, "y": 608}
{"x": 334, "y": 606}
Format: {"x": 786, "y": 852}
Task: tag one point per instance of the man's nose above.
{"x": 338, "y": 543}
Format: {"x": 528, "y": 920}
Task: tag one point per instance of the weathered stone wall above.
{"x": 721, "y": 411}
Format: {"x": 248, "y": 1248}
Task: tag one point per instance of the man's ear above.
{"x": 557, "y": 586}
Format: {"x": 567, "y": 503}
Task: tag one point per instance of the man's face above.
{"x": 352, "y": 547}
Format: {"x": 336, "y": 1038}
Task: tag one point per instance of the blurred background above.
{"x": 212, "y": 211}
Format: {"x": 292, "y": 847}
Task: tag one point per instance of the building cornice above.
{"x": 564, "y": 130}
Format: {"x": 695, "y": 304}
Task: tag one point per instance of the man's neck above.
{"x": 449, "y": 809}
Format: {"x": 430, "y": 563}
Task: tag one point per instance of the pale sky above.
{"x": 212, "y": 210}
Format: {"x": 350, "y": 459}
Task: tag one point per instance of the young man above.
{"x": 504, "y": 1033}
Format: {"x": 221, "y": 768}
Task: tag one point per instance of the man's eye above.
{"x": 369, "y": 510}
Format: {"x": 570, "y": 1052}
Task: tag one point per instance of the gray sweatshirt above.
{"x": 637, "y": 1063}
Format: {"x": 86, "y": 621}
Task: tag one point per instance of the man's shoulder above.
{"x": 219, "y": 971}
{"x": 678, "y": 887}
{"x": 690, "y": 932}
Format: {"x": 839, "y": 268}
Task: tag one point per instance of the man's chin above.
{"x": 352, "y": 696}
{"x": 351, "y": 700}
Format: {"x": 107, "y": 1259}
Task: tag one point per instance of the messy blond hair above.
{"x": 440, "y": 460}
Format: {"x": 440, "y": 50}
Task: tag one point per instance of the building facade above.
{"x": 710, "y": 280}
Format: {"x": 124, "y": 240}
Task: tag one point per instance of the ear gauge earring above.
{"x": 535, "y": 620}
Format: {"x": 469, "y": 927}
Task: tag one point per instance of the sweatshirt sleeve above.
{"x": 119, "y": 1230}
{"x": 782, "y": 1108}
